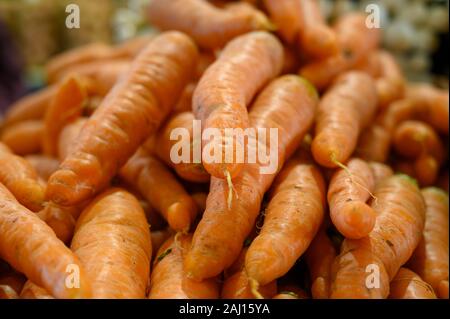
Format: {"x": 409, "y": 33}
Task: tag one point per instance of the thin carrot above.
{"x": 397, "y": 232}
{"x": 223, "y": 93}
{"x": 169, "y": 280}
{"x": 286, "y": 104}
{"x": 42, "y": 257}
{"x": 112, "y": 240}
{"x": 21, "y": 179}
{"x": 390, "y": 83}
{"x": 68, "y": 137}
{"x": 43, "y": 165}
{"x": 408, "y": 285}
{"x": 24, "y": 137}
{"x": 132, "y": 111}
{"x": 344, "y": 111}
{"x": 211, "y": 27}
{"x": 380, "y": 171}
{"x": 33, "y": 291}
{"x": 430, "y": 259}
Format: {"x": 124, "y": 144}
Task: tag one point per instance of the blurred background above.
{"x": 31, "y": 31}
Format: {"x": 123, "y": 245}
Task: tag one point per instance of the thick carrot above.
{"x": 68, "y": 136}
{"x": 348, "y": 191}
{"x": 228, "y": 86}
{"x": 31, "y": 247}
{"x": 344, "y": 111}
{"x": 24, "y": 137}
{"x": 132, "y": 111}
{"x": 287, "y": 17}
{"x": 319, "y": 258}
{"x": 292, "y": 218}
{"x": 161, "y": 189}
{"x": 21, "y": 179}
{"x": 169, "y": 280}
{"x": 316, "y": 38}
{"x": 112, "y": 240}
{"x": 66, "y": 106}
{"x": 408, "y": 285}
{"x": 30, "y": 107}
{"x": 43, "y": 165}
{"x": 209, "y": 26}
{"x": 286, "y": 104}
{"x": 390, "y": 83}
{"x": 380, "y": 171}
{"x": 33, "y": 291}
{"x": 430, "y": 259}
{"x": 397, "y": 232}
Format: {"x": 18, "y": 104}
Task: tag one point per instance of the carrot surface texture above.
{"x": 400, "y": 210}
{"x": 24, "y": 137}
{"x": 133, "y": 110}
{"x": 287, "y": 104}
{"x": 408, "y": 285}
{"x": 112, "y": 240}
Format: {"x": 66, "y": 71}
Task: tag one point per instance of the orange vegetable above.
{"x": 159, "y": 237}
{"x": 390, "y": 83}
{"x": 61, "y": 220}
{"x": 68, "y": 137}
{"x": 287, "y": 17}
{"x": 380, "y": 171}
{"x": 408, "y": 285}
{"x": 24, "y": 137}
{"x": 43, "y": 165}
{"x": 32, "y": 291}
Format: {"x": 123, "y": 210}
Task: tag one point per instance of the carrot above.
{"x": 380, "y": 171}
{"x": 205, "y": 59}
{"x": 209, "y": 26}
{"x": 200, "y": 200}
{"x": 371, "y": 64}
{"x": 153, "y": 218}
{"x": 21, "y": 179}
{"x": 391, "y": 83}
{"x": 292, "y": 218}
{"x": 68, "y": 136}
{"x": 132, "y": 111}
{"x": 132, "y": 47}
{"x": 24, "y": 137}
{"x": 169, "y": 280}
{"x": 346, "y": 109}
{"x": 356, "y": 42}
{"x": 316, "y": 38}
{"x": 30, "y": 107}
{"x": 43, "y": 165}
{"x": 287, "y": 17}
{"x": 184, "y": 104}
{"x": 223, "y": 93}
{"x": 61, "y": 220}
{"x": 408, "y": 285}
{"x": 161, "y": 189}
{"x": 112, "y": 240}
{"x": 159, "y": 237}
{"x": 400, "y": 212}
{"x": 319, "y": 258}
{"x": 426, "y": 170}
{"x": 286, "y": 104}
{"x": 66, "y": 106}
{"x": 430, "y": 259}
{"x": 33, "y": 291}
{"x": 41, "y": 257}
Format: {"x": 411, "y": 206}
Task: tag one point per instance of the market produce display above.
{"x": 120, "y": 178}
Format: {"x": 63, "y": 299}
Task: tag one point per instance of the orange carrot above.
{"x": 223, "y": 93}
{"x": 346, "y": 109}
{"x": 380, "y": 171}
{"x": 397, "y": 232}
{"x": 184, "y": 104}
{"x": 169, "y": 280}
{"x": 41, "y": 257}
{"x": 132, "y": 47}
{"x": 43, "y": 165}
{"x": 408, "y": 285}
{"x": 132, "y": 111}
{"x": 391, "y": 83}
{"x": 21, "y": 179}
{"x": 286, "y": 104}
{"x": 159, "y": 237}
{"x": 68, "y": 136}
{"x": 430, "y": 259}
{"x": 209, "y": 26}
{"x": 24, "y": 137}
{"x": 112, "y": 240}
{"x": 33, "y": 291}
{"x": 287, "y": 17}
{"x": 292, "y": 218}
{"x": 61, "y": 220}
{"x": 205, "y": 59}
{"x": 161, "y": 189}
{"x": 426, "y": 170}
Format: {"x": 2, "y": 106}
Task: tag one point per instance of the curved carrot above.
{"x": 43, "y": 165}
{"x": 347, "y": 108}
{"x": 430, "y": 259}
{"x": 42, "y": 257}
{"x": 292, "y": 218}
{"x": 23, "y": 137}
{"x": 129, "y": 113}
{"x": 390, "y": 83}
{"x": 66, "y": 106}
{"x": 33, "y": 291}
{"x": 287, "y": 17}
{"x": 112, "y": 240}
{"x": 209, "y": 26}
{"x": 169, "y": 280}
{"x": 286, "y": 104}
{"x": 348, "y": 192}
{"x": 319, "y": 258}
{"x": 408, "y": 285}
{"x": 397, "y": 232}
{"x": 223, "y": 93}
{"x": 157, "y": 184}
{"x": 22, "y": 180}
{"x": 68, "y": 136}
{"x": 380, "y": 171}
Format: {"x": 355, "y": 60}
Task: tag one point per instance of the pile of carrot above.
{"x": 92, "y": 204}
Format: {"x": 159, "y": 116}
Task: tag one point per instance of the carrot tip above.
{"x": 254, "y": 286}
